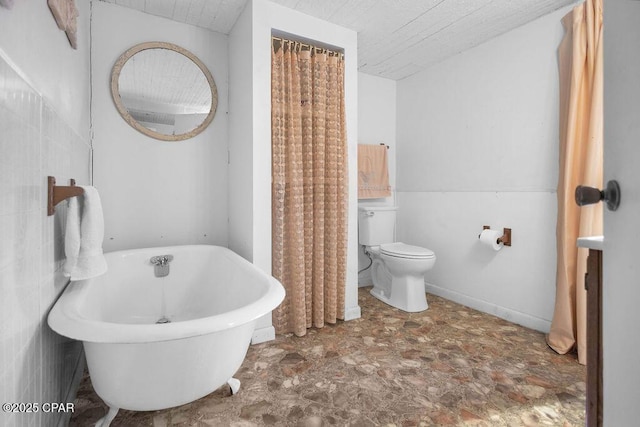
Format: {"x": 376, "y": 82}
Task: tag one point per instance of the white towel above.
{"x": 83, "y": 236}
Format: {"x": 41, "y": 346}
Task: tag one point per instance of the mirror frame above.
{"x": 115, "y": 90}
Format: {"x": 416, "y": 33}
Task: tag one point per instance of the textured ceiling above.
{"x": 396, "y": 38}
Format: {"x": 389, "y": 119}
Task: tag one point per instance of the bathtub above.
{"x": 211, "y": 299}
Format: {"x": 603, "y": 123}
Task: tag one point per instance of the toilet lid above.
{"x": 403, "y": 250}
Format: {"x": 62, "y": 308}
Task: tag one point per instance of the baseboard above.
{"x": 352, "y": 313}
{"x": 508, "y": 314}
{"x": 263, "y": 335}
{"x": 70, "y": 397}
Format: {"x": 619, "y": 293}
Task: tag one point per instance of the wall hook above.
{"x": 58, "y": 193}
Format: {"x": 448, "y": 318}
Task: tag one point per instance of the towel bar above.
{"x": 58, "y": 193}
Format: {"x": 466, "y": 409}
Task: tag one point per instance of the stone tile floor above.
{"x": 447, "y": 366}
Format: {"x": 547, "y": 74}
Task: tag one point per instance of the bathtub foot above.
{"x": 234, "y": 384}
{"x": 106, "y": 420}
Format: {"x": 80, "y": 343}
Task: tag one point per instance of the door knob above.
{"x": 589, "y": 195}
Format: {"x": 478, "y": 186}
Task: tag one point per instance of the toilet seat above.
{"x": 402, "y": 250}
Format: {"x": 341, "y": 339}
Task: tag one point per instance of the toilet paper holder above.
{"x": 505, "y": 238}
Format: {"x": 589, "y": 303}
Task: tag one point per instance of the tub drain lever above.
{"x": 161, "y": 265}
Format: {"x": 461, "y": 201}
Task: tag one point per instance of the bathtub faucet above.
{"x": 161, "y": 265}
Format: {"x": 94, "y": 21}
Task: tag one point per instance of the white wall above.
{"x": 157, "y": 193}
{"x": 31, "y": 39}
{"x": 241, "y": 228}
{"x": 250, "y": 231}
{"x": 44, "y": 125}
{"x": 376, "y": 125}
{"x": 377, "y": 121}
{"x": 478, "y": 144}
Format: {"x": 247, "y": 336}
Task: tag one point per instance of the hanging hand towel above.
{"x": 83, "y": 236}
{"x": 373, "y": 172}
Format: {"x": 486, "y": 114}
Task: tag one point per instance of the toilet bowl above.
{"x": 397, "y": 269}
{"x": 398, "y": 275}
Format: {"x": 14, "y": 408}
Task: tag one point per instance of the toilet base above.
{"x": 407, "y": 294}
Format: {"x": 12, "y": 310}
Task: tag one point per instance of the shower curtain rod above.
{"x": 307, "y": 45}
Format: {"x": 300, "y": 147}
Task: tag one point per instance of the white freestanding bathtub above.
{"x": 207, "y": 306}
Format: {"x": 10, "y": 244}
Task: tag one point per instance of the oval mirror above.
{"x": 164, "y": 91}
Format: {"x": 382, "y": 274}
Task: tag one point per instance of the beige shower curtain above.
{"x": 309, "y": 185}
{"x": 581, "y": 163}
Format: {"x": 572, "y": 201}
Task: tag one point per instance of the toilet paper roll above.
{"x": 490, "y": 237}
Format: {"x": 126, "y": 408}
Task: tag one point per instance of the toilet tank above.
{"x": 376, "y": 225}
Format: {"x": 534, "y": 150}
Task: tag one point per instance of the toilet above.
{"x": 397, "y": 269}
